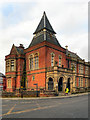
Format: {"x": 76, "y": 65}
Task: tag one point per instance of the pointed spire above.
{"x": 44, "y": 24}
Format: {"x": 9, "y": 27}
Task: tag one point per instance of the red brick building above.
{"x": 2, "y": 82}
{"x": 46, "y": 63}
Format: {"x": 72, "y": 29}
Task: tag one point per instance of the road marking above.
{"x": 11, "y": 109}
{"x": 9, "y": 112}
{"x": 38, "y": 104}
{"x": 28, "y": 110}
{"x": 3, "y": 114}
{"x": 39, "y": 108}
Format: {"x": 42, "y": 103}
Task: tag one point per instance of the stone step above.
{"x": 61, "y": 94}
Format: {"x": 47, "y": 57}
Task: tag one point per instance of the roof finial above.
{"x": 66, "y": 47}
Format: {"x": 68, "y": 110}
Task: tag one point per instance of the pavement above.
{"x": 62, "y": 97}
{"x": 76, "y": 106}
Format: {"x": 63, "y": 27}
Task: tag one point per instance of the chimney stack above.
{"x": 21, "y": 46}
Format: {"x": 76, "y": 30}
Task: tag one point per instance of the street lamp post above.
{"x": 36, "y": 88}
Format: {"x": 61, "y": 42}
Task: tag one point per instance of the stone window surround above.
{"x": 52, "y": 62}
{"x": 9, "y": 83}
{"x": 31, "y": 62}
{"x": 33, "y": 56}
{"x": 60, "y": 61}
{"x": 36, "y": 60}
{"x": 86, "y": 82}
{"x": 86, "y": 70}
{"x": 81, "y": 68}
{"x": 8, "y": 66}
{"x": 73, "y": 64}
{"x": 80, "y": 82}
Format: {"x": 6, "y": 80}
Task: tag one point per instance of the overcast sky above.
{"x": 19, "y": 19}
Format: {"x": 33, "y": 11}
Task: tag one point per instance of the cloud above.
{"x": 77, "y": 43}
{"x": 19, "y": 19}
{"x": 69, "y": 1}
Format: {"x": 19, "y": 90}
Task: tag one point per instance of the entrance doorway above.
{"x": 50, "y": 84}
{"x": 60, "y": 84}
{"x": 68, "y": 84}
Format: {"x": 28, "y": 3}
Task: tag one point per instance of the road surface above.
{"x": 75, "y": 107}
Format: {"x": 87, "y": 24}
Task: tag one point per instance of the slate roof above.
{"x": 48, "y": 35}
{"x": 44, "y": 24}
{"x": 1, "y": 75}
{"x": 74, "y": 55}
{"x": 40, "y": 38}
{"x": 20, "y": 50}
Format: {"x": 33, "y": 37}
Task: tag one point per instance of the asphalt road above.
{"x": 76, "y": 107}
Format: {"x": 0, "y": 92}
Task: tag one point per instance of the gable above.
{"x": 13, "y": 50}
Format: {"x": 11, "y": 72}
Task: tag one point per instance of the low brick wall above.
{"x": 21, "y": 94}
{"x": 25, "y": 93}
{"x": 31, "y": 93}
{"x": 48, "y": 94}
{"x": 81, "y": 90}
{"x": 8, "y": 94}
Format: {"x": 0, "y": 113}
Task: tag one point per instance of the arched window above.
{"x": 60, "y": 60}
{"x": 36, "y": 61}
{"x": 50, "y": 84}
{"x": 31, "y": 62}
{"x": 52, "y": 59}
